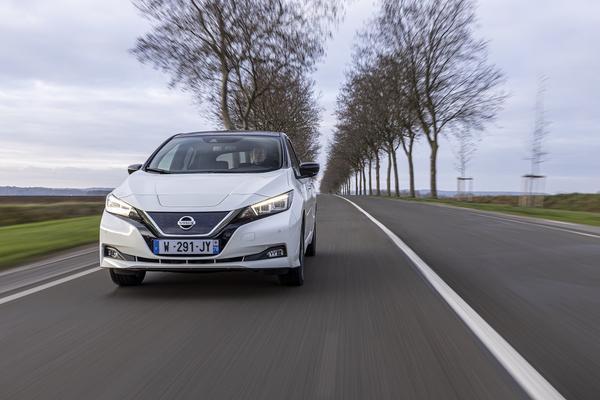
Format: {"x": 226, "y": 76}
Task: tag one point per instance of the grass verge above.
{"x": 20, "y": 243}
{"x": 577, "y": 217}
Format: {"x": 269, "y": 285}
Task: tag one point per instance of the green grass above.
{"x": 20, "y": 243}
{"x": 578, "y": 217}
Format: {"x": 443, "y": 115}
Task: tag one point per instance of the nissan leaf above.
{"x": 213, "y": 201}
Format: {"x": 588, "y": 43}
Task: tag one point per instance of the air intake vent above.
{"x": 182, "y": 224}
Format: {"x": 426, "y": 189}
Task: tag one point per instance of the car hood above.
{"x": 155, "y": 192}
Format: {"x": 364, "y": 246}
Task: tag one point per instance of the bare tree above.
{"x": 405, "y": 124}
{"x": 211, "y": 47}
{"x": 372, "y": 110}
{"x": 289, "y": 106}
{"x": 451, "y": 82}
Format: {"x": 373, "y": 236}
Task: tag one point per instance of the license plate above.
{"x": 192, "y": 247}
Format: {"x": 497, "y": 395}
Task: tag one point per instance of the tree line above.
{"x": 250, "y": 60}
{"x": 419, "y": 73}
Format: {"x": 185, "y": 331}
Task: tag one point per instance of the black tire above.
{"x": 128, "y": 278}
{"x": 311, "y": 249}
{"x": 295, "y": 276}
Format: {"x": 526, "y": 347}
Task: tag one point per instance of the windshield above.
{"x": 218, "y": 154}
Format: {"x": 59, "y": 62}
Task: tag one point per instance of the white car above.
{"x": 212, "y": 201}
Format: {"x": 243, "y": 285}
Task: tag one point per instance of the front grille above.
{"x": 204, "y": 222}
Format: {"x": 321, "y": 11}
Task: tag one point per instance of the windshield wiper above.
{"x": 157, "y": 170}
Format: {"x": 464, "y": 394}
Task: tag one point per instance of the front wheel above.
{"x": 127, "y": 278}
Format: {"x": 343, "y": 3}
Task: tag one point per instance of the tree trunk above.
{"x": 433, "y": 168}
{"x": 370, "y": 176}
{"x": 408, "y": 142}
{"x": 360, "y": 182}
{"x": 389, "y": 174}
{"x": 356, "y": 183}
{"x": 377, "y": 168}
{"x": 396, "y": 182}
{"x": 224, "y": 103}
{"x": 364, "y": 178}
{"x": 411, "y": 174}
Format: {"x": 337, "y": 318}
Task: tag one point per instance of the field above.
{"x": 32, "y": 226}
{"x": 23, "y": 242}
{"x": 20, "y": 210}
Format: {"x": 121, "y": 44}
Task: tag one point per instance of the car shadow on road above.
{"x": 207, "y": 285}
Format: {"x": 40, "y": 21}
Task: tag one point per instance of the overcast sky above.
{"x": 76, "y": 108}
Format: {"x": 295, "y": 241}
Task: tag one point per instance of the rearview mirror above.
{"x": 134, "y": 167}
{"x": 309, "y": 169}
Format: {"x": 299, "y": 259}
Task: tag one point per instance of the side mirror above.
{"x": 309, "y": 169}
{"x": 134, "y": 167}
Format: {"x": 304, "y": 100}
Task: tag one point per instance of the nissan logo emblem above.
{"x": 186, "y": 223}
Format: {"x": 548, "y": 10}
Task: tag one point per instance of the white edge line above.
{"x": 526, "y": 376}
{"x": 39, "y": 288}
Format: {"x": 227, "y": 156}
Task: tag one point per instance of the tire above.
{"x": 295, "y": 276}
{"x": 311, "y": 249}
{"x": 129, "y": 278}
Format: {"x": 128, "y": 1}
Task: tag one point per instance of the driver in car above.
{"x": 258, "y": 155}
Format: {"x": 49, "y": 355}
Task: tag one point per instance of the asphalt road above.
{"x": 536, "y": 284}
{"x": 366, "y": 324}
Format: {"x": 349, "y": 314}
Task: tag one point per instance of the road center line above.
{"x": 555, "y": 228}
{"x": 507, "y": 218}
{"x": 532, "y": 382}
{"x": 47, "y": 285}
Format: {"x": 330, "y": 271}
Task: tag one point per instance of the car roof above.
{"x": 253, "y": 133}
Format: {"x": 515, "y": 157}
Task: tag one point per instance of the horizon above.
{"x": 420, "y": 191}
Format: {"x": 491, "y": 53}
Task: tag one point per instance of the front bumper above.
{"x": 248, "y": 239}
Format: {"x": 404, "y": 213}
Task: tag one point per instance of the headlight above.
{"x": 270, "y": 206}
{"x": 119, "y": 207}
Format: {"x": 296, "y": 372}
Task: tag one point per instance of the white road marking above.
{"x": 532, "y": 382}
{"x": 50, "y": 261}
{"x": 556, "y": 228}
{"x": 541, "y": 224}
{"x": 4, "y": 288}
{"x": 47, "y": 285}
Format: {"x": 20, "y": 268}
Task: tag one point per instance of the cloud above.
{"x": 73, "y": 100}
{"x": 76, "y": 107}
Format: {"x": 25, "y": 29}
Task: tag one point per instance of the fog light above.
{"x": 275, "y": 253}
{"x": 113, "y": 253}
{"x": 271, "y": 252}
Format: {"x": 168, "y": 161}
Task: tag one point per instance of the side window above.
{"x": 166, "y": 162}
{"x": 293, "y": 158}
